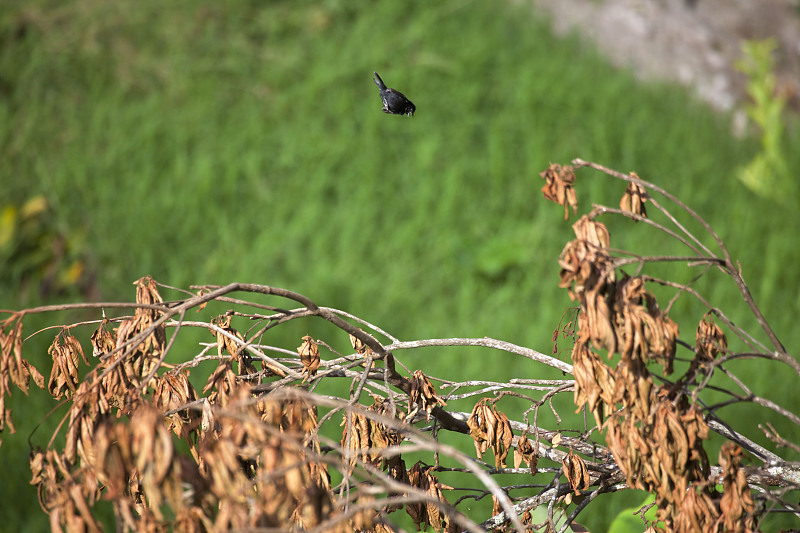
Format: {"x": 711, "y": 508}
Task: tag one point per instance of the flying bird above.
{"x": 394, "y": 102}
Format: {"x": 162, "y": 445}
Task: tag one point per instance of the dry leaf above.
{"x": 309, "y": 356}
{"x": 172, "y": 391}
{"x": 428, "y": 513}
{"x": 559, "y": 187}
{"x": 591, "y": 231}
{"x": 710, "y": 340}
{"x": 65, "y": 351}
{"x": 634, "y": 198}
{"x": 102, "y": 339}
{"x": 358, "y": 345}
{"x": 490, "y": 428}
{"x": 361, "y": 348}
{"x": 737, "y": 506}
{"x": 422, "y": 396}
{"x": 576, "y": 472}
{"x": 526, "y": 452}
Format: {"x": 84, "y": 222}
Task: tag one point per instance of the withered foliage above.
{"x": 654, "y": 432}
{"x": 132, "y": 354}
{"x": 142, "y": 337}
{"x": 254, "y": 458}
{"x": 429, "y": 513}
{"x": 576, "y": 472}
{"x": 422, "y": 395}
{"x": 309, "y": 356}
{"x": 171, "y": 392}
{"x": 595, "y": 386}
{"x": 231, "y": 341}
{"x": 222, "y": 384}
{"x": 736, "y": 506}
{"x": 102, "y": 340}
{"x": 261, "y": 474}
{"x": 208, "y": 442}
{"x": 13, "y": 366}
{"x": 588, "y": 273}
{"x": 361, "y": 348}
{"x": 490, "y": 428}
{"x": 663, "y": 453}
{"x": 367, "y": 437}
{"x": 559, "y": 187}
{"x": 526, "y": 452}
{"x": 647, "y": 334}
{"x": 710, "y": 341}
{"x": 61, "y": 495}
{"x": 65, "y": 352}
{"x": 634, "y": 198}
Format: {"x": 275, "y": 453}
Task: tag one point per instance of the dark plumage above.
{"x": 394, "y": 102}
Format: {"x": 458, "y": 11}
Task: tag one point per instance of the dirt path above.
{"x": 693, "y": 42}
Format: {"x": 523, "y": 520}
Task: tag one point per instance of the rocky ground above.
{"x": 693, "y": 42}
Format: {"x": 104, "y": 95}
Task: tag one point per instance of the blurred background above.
{"x": 204, "y": 142}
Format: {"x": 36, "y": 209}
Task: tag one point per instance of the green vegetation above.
{"x": 767, "y": 174}
{"x": 202, "y": 142}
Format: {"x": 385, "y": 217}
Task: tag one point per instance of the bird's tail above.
{"x": 379, "y": 82}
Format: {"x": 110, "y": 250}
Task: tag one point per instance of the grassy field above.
{"x": 206, "y": 143}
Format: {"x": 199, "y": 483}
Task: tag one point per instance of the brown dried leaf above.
{"x": 38, "y": 465}
{"x": 356, "y": 438}
{"x": 208, "y": 422}
{"x": 171, "y": 391}
{"x": 423, "y": 396}
{"x": 634, "y": 198}
{"x": 381, "y": 435}
{"x": 695, "y": 511}
{"x": 594, "y": 382}
{"x": 309, "y": 356}
{"x": 361, "y": 348}
{"x": 490, "y": 428}
{"x": 112, "y": 449}
{"x": 477, "y": 428}
{"x": 84, "y": 439}
{"x": 736, "y": 505}
{"x": 503, "y": 440}
{"x": 12, "y": 363}
{"x": 141, "y": 359}
{"x": 576, "y": 472}
{"x": 221, "y": 460}
{"x": 645, "y": 332}
{"x": 102, "y": 339}
{"x": 358, "y": 345}
{"x": 38, "y": 378}
{"x": 427, "y": 513}
{"x": 584, "y": 267}
{"x": 202, "y": 292}
{"x": 527, "y": 452}
{"x": 224, "y": 381}
{"x": 64, "y": 374}
{"x": 497, "y": 508}
{"x": 710, "y": 340}
{"x": 559, "y": 187}
{"x": 147, "y": 293}
{"x": 591, "y": 231}
{"x": 416, "y": 510}
{"x": 597, "y": 321}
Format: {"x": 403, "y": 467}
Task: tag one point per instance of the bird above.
{"x": 394, "y": 102}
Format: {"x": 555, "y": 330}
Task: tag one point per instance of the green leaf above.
{"x": 628, "y": 521}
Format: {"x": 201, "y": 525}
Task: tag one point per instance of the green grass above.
{"x": 203, "y": 143}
